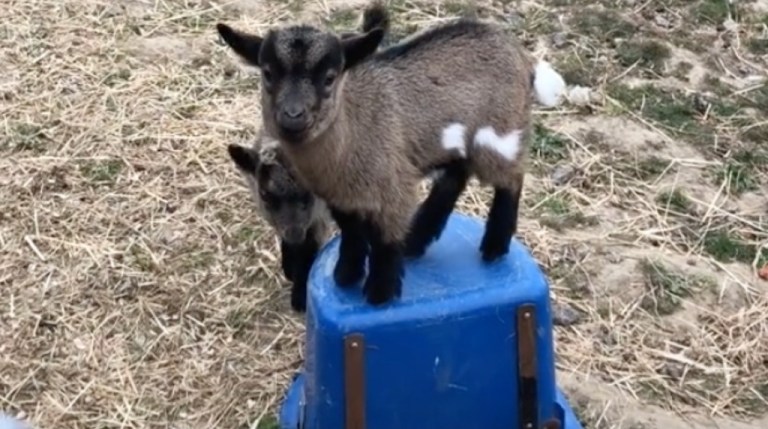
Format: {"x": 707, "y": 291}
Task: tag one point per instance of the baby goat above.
{"x": 363, "y": 127}
{"x": 300, "y": 219}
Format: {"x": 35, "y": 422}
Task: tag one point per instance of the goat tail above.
{"x": 548, "y": 85}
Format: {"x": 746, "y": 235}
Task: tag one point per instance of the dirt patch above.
{"x": 634, "y": 138}
{"x": 604, "y": 407}
{"x": 165, "y": 48}
{"x": 759, "y": 6}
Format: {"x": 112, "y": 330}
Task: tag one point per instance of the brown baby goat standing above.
{"x": 300, "y": 219}
{"x": 363, "y": 127}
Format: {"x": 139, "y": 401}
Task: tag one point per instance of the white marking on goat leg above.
{"x": 507, "y": 145}
{"x": 548, "y": 85}
{"x": 453, "y": 138}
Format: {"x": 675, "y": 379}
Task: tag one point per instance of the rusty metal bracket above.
{"x": 354, "y": 381}
{"x": 526, "y": 355}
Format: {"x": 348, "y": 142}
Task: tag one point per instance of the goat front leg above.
{"x": 353, "y": 250}
{"x": 287, "y": 258}
{"x": 302, "y": 257}
{"x": 387, "y": 269}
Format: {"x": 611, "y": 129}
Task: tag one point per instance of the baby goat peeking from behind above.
{"x": 363, "y": 127}
{"x": 301, "y": 220}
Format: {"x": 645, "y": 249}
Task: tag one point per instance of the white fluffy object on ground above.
{"x": 549, "y": 86}
{"x": 7, "y": 422}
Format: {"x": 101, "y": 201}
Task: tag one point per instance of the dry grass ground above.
{"x": 140, "y": 290}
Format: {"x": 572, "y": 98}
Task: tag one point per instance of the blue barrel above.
{"x": 468, "y": 345}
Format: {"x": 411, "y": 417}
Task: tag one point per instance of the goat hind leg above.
{"x": 501, "y": 224}
{"x": 430, "y": 219}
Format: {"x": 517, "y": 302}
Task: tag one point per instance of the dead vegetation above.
{"x": 142, "y": 291}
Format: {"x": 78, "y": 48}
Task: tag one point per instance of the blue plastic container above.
{"x": 443, "y": 356}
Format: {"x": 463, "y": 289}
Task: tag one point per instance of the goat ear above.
{"x": 245, "y": 45}
{"x": 245, "y": 159}
{"x": 358, "y": 48}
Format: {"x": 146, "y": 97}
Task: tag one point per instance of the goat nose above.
{"x": 294, "y": 112}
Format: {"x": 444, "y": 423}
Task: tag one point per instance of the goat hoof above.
{"x": 382, "y": 290}
{"x": 287, "y": 271}
{"x": 298, "y": 303}
{"x": 413, "y": 251}
{"x": 415, "y": 247}
{"x": 346, "y": 274}
{"x": 299, "y": 297}
{"x": 493, "y": 250}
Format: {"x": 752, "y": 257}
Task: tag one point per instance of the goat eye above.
{"x": 271, "y": 201}
{"x": 267, "y": 76}
{"x": 266, "y": 196}
{"x": 330, "y": 79}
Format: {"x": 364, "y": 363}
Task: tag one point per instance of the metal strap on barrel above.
{"x": 354, "y": 381}
{"x": 526, "y": 355}
{"x": 528, "y": 389}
